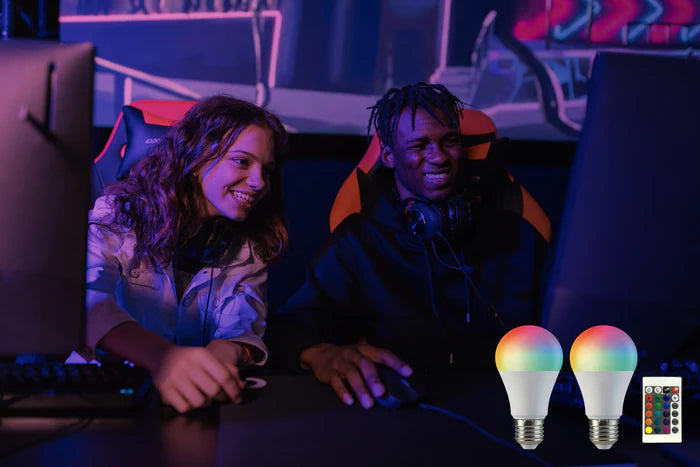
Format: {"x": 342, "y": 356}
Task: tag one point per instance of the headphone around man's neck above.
{"x": 450, "y": 218}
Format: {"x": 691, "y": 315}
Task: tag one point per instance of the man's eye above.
{"x": 453, "y": 141}
{"x": 417, "y": 147}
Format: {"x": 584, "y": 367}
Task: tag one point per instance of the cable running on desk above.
{"x": 490, "y": 436}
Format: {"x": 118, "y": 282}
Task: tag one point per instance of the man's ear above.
{"x": 387, "y": 156}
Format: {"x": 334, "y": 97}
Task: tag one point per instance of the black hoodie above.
{"x": 374, "y": 280}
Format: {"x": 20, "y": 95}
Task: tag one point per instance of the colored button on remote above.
{"x": 661, "y": 409}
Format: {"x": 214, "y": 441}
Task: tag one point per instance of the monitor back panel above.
{"x": 628, "y": 250}
{"x": 45, "y": 130}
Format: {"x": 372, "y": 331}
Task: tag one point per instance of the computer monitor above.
{"x": 45, "y": 150}
{"x": 628, "y": 249}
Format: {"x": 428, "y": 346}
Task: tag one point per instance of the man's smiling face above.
{"x": 425, "y": 157}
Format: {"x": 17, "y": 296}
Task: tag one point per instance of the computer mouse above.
{"x": 401, "y": 391}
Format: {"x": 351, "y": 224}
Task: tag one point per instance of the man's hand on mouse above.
{"x": 335, "y": 364}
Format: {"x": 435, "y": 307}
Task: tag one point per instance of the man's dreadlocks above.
{"x": 433, "y": 98}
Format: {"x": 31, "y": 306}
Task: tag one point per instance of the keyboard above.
{"x": 41, "y": 388}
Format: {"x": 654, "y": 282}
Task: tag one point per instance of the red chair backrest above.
{"x": 156, "y": 112}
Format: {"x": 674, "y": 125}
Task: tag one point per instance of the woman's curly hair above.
{"x": 162, "y": 200}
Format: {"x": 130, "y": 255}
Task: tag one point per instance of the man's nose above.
{"x": 437, "y": 155}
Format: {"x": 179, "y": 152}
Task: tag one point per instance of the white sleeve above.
{"x": 102, "y": 275}
{"x": 243, "y": 316}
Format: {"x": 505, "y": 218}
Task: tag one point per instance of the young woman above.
{"x": 178, "y": 252}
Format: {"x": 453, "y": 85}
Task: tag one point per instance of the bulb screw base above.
{"x": 529, "y": 433}
{"x": 603, "y": 433}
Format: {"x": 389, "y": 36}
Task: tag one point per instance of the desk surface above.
{"x": 297, "y": 421}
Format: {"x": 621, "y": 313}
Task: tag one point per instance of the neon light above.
{"x": 679, "y": 11}
{"x": 694, "y": 31}
{"x": 577, "y": 24}
{"x": 605, "y": 28}
{"x": 536, "y": 28}
{"x": 650, "y": 18}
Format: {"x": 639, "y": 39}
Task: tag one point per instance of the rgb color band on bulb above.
{"x": 529, "y": 348}
{"x": 603, "y": 348}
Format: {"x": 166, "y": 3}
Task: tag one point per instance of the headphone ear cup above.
{"x": 459, "y": 217}
{"x": 424, "y": 220}
{"x": 452, "y": 218}
{"x": 218, "y": 243}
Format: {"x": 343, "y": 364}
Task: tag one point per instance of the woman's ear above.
{"x": 387, "y": 156}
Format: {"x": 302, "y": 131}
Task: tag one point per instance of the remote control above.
{"x": 661, "y": 409}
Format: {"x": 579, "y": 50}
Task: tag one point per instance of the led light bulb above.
{"x": 603, "y": 359}
{"x": 528, "y": 359}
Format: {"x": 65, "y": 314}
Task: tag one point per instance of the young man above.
{"x": 417, "y": 280}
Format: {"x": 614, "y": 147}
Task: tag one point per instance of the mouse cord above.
{"x": 487, "y": 434}
{"x": 433, "y": 305}
{"x": 465, "y": 270}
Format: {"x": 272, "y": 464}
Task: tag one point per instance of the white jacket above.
{"x": 237, "y": 305}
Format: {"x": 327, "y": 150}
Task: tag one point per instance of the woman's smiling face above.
{"x": 235, "y": 183}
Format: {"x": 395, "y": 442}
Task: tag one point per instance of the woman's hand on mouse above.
{"x": 232, "y": 355}
{"x": 334, "y": 364}
{"x": 187, "y": 377}
{"x": 192, "y": 377}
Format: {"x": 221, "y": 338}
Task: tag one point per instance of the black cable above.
{"x": 206, "y": 310}
{"x": 465, "y": 278}
{"x": 487, "y": 434}
{"x": 432, "y": 301}
{"x": 463, "y": 268}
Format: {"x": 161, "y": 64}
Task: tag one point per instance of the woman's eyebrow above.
{"x": 236, "y": 152}
{"x": 241, "y": 151}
